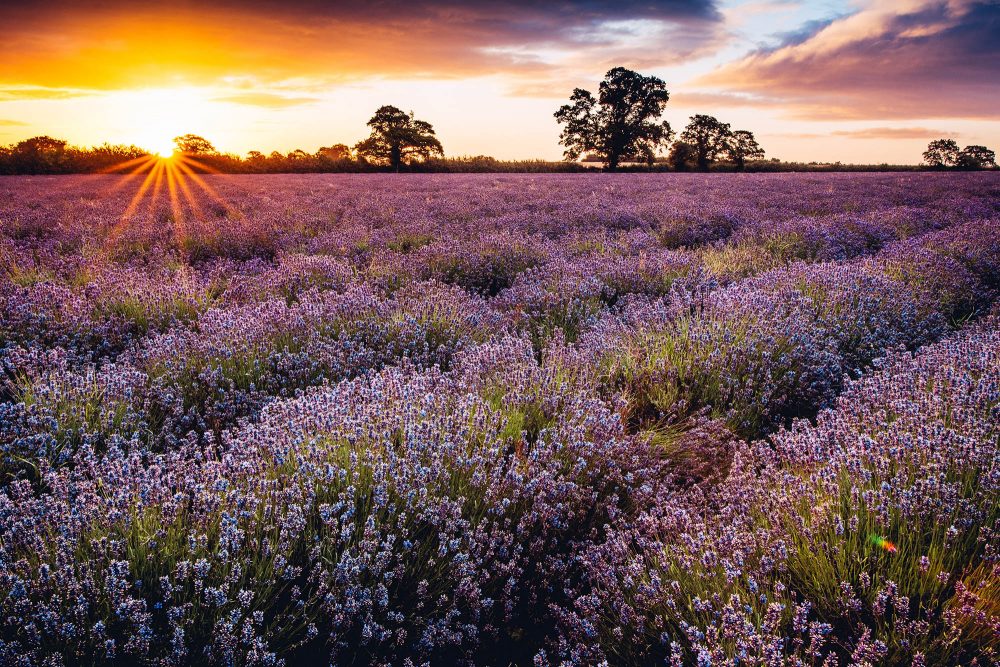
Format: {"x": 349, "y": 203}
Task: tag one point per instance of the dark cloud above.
{"x": 936, "y": 60}
{"x": 802, "y": 32}
{"x": 112, "y": 43}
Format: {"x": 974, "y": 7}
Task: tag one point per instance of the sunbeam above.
{"x": 175, "y": 171}
{"x": 174, "y": 178}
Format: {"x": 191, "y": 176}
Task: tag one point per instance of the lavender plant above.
{"x": 482, "y": 419}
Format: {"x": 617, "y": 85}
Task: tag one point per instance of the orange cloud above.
{"x": 38, "y": 93}
{"x": 894, "y": 133}
{"x": 117, "y": 44}
{"x": 269, "y": 100}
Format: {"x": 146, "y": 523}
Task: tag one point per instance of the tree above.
{"x": 976, "y": 157}
{"x": 335, "y": 153}
{"x": 40, "y": 155}
{"x": 709, "y": 136}
{"x": 682, "y": 156}
{"x": 397, "y": 136}
{"x": 103, "y": 157}
{"x": 192, "y": 144}
{"x": 743, "y": 146}
{"x": 621, "y": 123}
{"x": 941, "y": 153}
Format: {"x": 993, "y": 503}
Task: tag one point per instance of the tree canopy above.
{"x": 976, "y": 157}
{"x": 193, "y": 144}
{"x": 681, "y": 156}
{"x": 39, "y": 155}
{"x": 397, "y": 137}
{"x": 743, "y": 146}
{"x": 335, "y": 152}
{"x": 709, "y": 137}
{"x": 941, "y": 153}
{"x": 622, "y": 123}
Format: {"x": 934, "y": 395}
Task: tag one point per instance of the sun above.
{"x": 164, "y": 149}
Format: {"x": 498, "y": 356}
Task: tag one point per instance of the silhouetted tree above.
{"x": 256, "y": 156}
{"x": 682, "y": 156}
{"x": 40, "y": 155}
{"x": 709, "y": 137}
{"x": 742, "y": 146}
{"x": 621, "y": 123}
{"x": 103, "y": 157}
{"x": 976, "y": 157}
{"x": 192, "y": 144}
{"x": 397, "y": 136}
{"x": 941, "y": 153}
{"x": 335, "y": 152}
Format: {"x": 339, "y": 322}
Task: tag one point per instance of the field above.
{"x": 529, "y": 420}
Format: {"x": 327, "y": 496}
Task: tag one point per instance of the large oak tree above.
{"x": 621, "y": 123}
{"x": 941, "y": 153}
{"x": 397, "y": 137}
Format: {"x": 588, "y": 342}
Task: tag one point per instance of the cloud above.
{"x": 923, "y": 59}
{"x": 710, "y": 100}
{"x": 268, "y": 100}
{"x": 894, "y": 133}
{"x": 18, "y": 93}
{"x": 11, "y": 123}
{"x": 117, "y": 44}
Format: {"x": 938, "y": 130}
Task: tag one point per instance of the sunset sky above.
{"x": 862, "y": 81}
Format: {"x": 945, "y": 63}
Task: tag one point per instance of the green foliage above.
{"x": 748, "y": 257}
{"x": 698, "y": 363}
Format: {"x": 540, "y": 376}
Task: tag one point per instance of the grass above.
{"x": 702, "y": 362}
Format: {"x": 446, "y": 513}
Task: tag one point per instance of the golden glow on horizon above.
{"x": 151, "y": 118}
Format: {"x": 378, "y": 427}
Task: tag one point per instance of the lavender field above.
{"x": 501, "y": 420}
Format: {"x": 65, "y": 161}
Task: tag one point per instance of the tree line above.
{"x": 623, "y": 124}
{"x": 621, "y": 128}
{"x": 944, "y": 154}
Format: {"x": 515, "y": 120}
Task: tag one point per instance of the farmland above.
{"x": 500, "y": 419}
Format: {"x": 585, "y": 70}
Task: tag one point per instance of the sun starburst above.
{"x": 174, "y": 176}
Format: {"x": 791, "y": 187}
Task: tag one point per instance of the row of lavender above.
{"x": 526, "y": 415}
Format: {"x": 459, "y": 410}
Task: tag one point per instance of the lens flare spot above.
{"x": 883, "y": 543}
